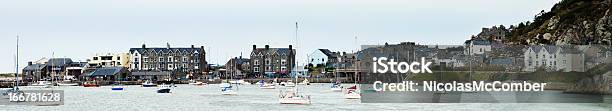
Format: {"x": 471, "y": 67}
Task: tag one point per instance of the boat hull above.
{"x": 149, "y": 85}
{"x": 294, "y": 101}
{"x": 267, "y": 87}
{"x": 91, "y": 85}
{"x": 117, "y": 89}
{"x": 352, "y": 96}
{"x": 338, "y": 89}
{"x": 67, "y": 84}
{"x": 229, "y": 93}
{"x": 163, "y": 91}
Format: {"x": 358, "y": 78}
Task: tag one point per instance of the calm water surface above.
{"x": 250, "y": 97}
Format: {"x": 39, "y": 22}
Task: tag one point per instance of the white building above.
{"x": 477, "y": 46}
{"x": 110, "y": 60}
{"x": 554, "y": 58}
{"x": 322, "y": 57}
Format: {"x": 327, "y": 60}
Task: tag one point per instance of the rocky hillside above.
{"x": 568, "y": 22}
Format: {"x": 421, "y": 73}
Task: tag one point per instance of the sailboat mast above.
{"x": 17, "y": 64}
{"x": 296, "y": 62}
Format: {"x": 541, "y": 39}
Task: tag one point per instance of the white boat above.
{"x": 267, "y": 86}
{"x": 228, "y": 91}
{"x": 305, "y": 82}
{"x": 243, "y": 82}
{"x": 164, "y": 88}
{"x": 149, "y": 84}
{"x": 260, "y": 82}
{"x": 336, "y": 87}
{"x": 352, "y": 93}
{"x": 289, "y": 83}
{"x": 42, "y": 84}
{"x": 233, "y": 82}
{"x": 292, "y": 97}
{"x": 223, "y": 85}
{"x": 67, "y": 84}
{"x": 196, "y": 83}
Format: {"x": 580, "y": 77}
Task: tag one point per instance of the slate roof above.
{"x": 34, "y": 67}
{"x": 165, "y": 50}
{"x": 105, "y": 71}
{"x": 279, "y": 51}
{"x": 328, "y": 53}
{"x": 59, "y": 62}
{"x": 150, "y": 73}
{"x": 481, "y": 42}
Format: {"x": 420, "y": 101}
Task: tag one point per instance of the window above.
{"x": 256, "y": 69}
{"x": 256, "y": 62}
{"x": 283, "y": 62}
{"x": 146, "y": 59}
{"x": 529, "y": 63}
{"x": 135, "y": 59}
{"x": 550, "y": 63}
{"x": 118, "y": 58}
{"x": 95, "y": 58}
{"x": 268, "y": 68}
{"x": 184, "y": 59}
{"x": 267, "y": 61}
{"x": 106, "y": 57}
{"x": 169, "y": 59}
{"x": 161, "y": 59}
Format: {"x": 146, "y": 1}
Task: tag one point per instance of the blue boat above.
{"x": 117, "y": 88}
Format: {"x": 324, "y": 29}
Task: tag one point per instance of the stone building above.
{"x": 185, "y": 62}
{"x": 272, "y": 62}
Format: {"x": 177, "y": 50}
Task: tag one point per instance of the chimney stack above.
{"x": 143, "y": 46}
{"x": 254, "y": 47}
{"x": 290, "y": 47}
{"x": 192, "y": 46}
{"x": 267, "y": 47}
{"x": 29, "y": 63}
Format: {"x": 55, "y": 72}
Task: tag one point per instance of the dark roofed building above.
{"x": 238, "y": 67}
{"x": 108, "y": 74}
{"x": 34, "y": 72}
{"x": 186, "y": 62}
{"x": 272, "y": 62}
{"x": 323, "y": 57}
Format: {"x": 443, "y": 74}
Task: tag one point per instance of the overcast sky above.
{"x": 226, "y": 28}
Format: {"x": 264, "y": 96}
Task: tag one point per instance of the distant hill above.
{"x": 568, "y": 22}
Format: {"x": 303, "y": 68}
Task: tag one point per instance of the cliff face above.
{"x": 568, "y": 22}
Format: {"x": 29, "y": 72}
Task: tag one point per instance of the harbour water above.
{"x": 250, "y": 97}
